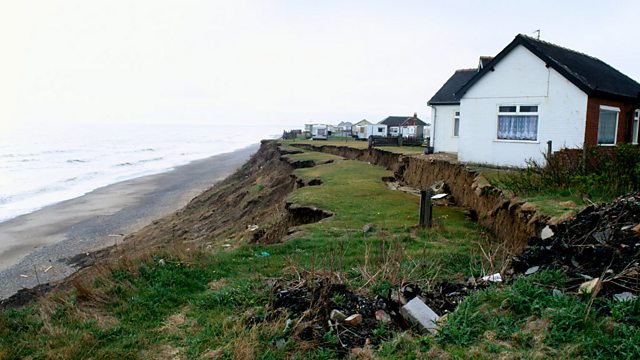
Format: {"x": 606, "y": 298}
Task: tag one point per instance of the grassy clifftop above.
{"x": 210, "y": 281}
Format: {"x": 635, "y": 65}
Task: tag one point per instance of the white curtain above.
{"x": 607, "y": 127}
{"x": 518, "y": 127}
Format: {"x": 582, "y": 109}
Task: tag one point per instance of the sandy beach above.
{"x": 34, "y": 248}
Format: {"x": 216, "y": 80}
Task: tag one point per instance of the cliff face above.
{"x": 255, "y": 194}
{"x": 505, "y": 217}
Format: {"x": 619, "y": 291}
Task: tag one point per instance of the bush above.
{"x": 595, "y": 172}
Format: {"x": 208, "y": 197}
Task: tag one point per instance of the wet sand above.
{"x": 35, "y": 248}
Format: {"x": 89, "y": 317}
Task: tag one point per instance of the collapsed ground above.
{"x": 246, "y": 271}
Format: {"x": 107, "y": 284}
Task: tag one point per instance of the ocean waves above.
{"x": 43, "y": 168}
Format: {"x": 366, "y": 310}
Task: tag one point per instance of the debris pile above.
{"x": 320, "y": 308}
{"x": 602, "y": 244}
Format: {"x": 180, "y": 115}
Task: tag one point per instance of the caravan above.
{"x": 375, "y": 130}
{"x": 319, "y": 132}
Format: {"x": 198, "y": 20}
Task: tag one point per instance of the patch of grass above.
{"x": 410, "y": 150}
{"x": 528, "y": 319}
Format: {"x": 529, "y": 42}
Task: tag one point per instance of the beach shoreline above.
{"x": 36, "y": 248}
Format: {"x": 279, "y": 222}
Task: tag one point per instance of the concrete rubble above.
{"x": 418, "y": 312}
{"x": 600, "y": 245}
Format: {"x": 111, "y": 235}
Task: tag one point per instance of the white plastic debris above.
{"x": 418, "y": 312}
{"x": 624, "y": 296}
{"x": 493, "y": 278}
{"x": 252, "y": 227}
{"x": 532, "y": 270}
{"x": 438, "y": 196}
{"x": 161, "y": 262}
{"x": 546, "y": 233}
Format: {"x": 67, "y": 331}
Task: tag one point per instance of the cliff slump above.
{"x": 505, "y": 217}
{"x": 251, "y": 205}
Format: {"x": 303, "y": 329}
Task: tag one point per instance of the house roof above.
{"x": 447, "y": 93}
{"x": 589, "y": 74}
{"x": 362, "y": 122}
{"x": 400, "y": 120}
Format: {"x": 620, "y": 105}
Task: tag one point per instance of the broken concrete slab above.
{"x": 418, "y": 312}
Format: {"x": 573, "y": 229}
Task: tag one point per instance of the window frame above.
{"x": 456, "y": 119}
{"x": 615, "y": 131}
{"x": 518, "y": 112}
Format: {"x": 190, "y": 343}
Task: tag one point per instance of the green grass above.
{"x": 527, "y": 320}
{"x": 213, "y": 303}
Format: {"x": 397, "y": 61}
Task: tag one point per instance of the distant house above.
{"x": 407, "y": 126}
{"x": 343, "y": 129}
{"x": 506, "y": 110}
{"x": 359, "y": 127}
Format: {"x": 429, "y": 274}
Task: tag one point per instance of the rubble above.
{"x": 353, "y": 320}
{"x": 418, "y": 312}
{"x": 624, "y": 296}
{"x": 602, "y": 245}
{"x": 337, "y": 315}
{"x": 589, "y": 286}
{"x": 493, "y": 278}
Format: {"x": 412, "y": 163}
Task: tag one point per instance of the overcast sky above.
{"x": 272, "y": 62}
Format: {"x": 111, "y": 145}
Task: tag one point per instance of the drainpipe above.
{"x": 433, "y": 133}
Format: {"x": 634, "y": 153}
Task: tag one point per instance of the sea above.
{"x": 44, "y": 165}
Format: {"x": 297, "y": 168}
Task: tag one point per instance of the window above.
{"x": 456, "y": 124}
{"x": 607, "y": 125}
{"x": 518, "y": 122}
{"x": 636, "y": 122}
{"x": 380, "y": 129}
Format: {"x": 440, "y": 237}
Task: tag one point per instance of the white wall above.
{"x": 442, "y": 123}
{"x": 521, "y": 78}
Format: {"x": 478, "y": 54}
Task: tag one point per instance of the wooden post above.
{"x": 425, "y": 208}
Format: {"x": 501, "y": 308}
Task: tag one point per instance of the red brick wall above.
{"x": 625, "y": 119}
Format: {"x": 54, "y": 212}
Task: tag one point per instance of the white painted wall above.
{"x": 521, "y": 78}
{"x": 442, "y": 123}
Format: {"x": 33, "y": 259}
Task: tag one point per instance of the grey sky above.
{"x": 271, "y": 62}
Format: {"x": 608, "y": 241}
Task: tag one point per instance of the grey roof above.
{"x": 447, "y": 93}
{"x": 591, "y": 75}
{"x": 399, "y": 120}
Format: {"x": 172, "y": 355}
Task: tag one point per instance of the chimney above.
{"x": 415, "y": 115}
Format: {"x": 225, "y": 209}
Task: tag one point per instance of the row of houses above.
{"x": 406, "y": 126}
{"x": 508, "y": 108}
